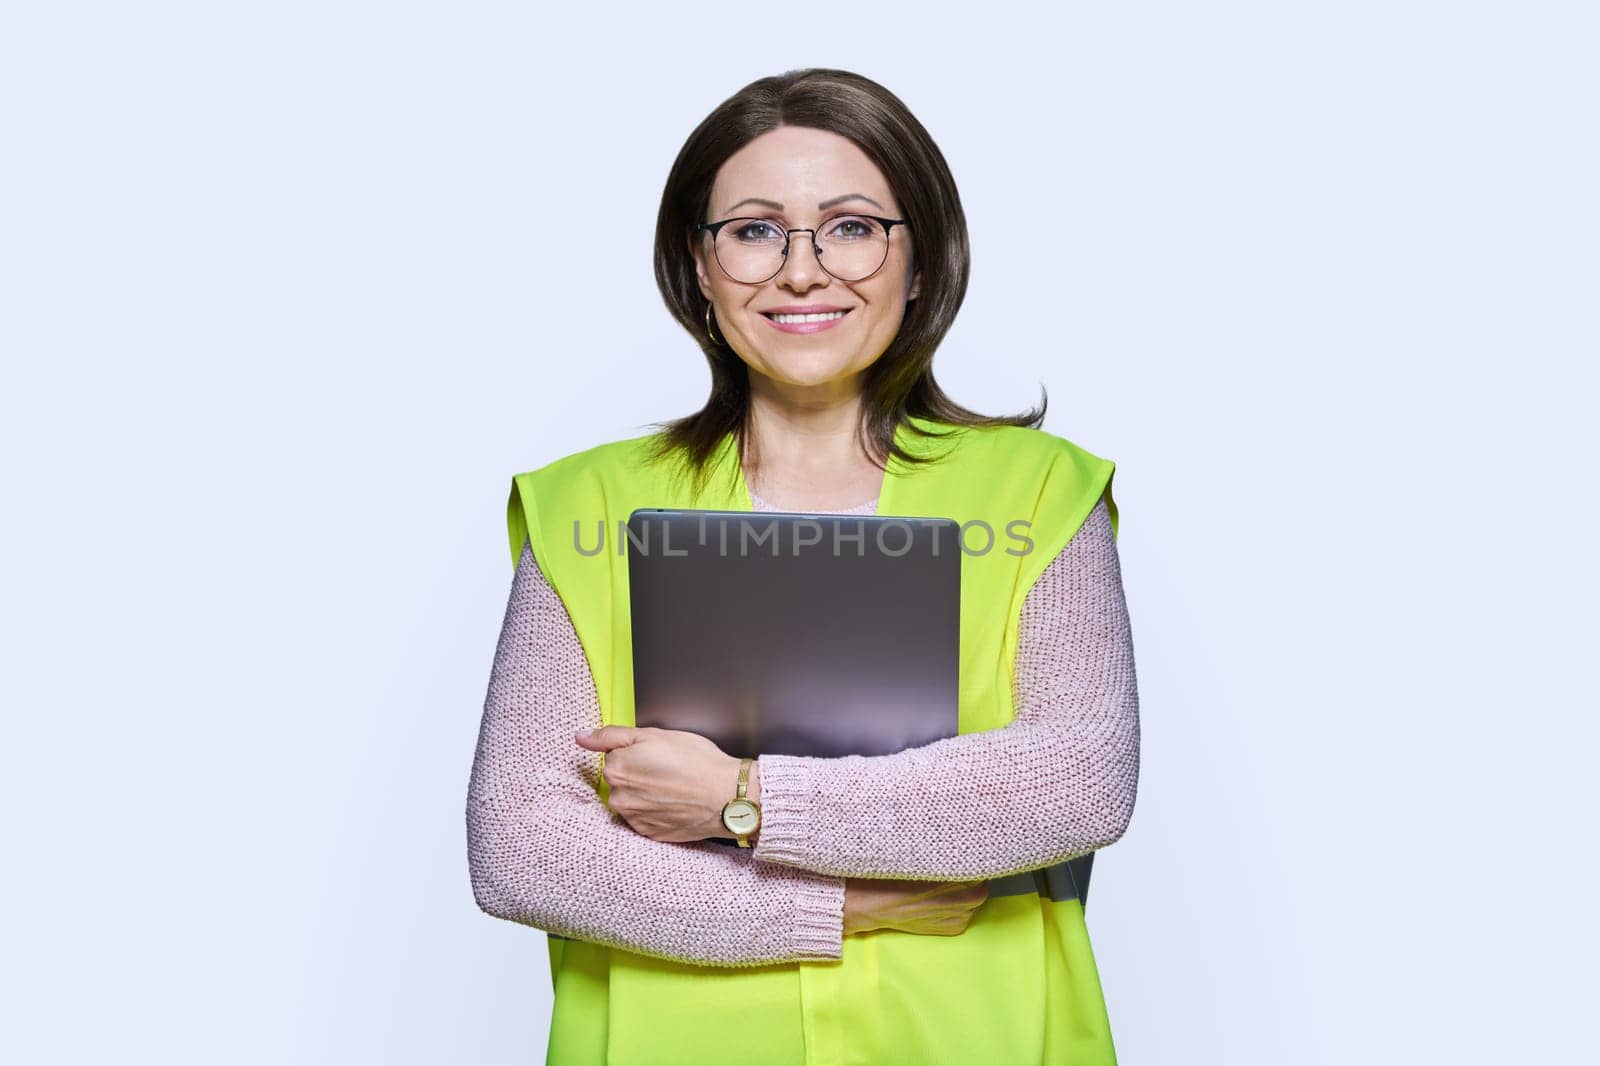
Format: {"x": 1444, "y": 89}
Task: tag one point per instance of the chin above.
{"x": 815, "y": 368}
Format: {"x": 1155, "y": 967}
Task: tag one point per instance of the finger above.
{"x": 608, "y": 737}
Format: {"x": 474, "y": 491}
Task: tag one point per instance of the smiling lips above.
{"x": 812, "y": 321}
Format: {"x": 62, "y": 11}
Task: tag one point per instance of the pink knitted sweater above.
{"x": 544, "y": 851}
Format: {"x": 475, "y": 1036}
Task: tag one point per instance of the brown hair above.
{"x": 900, "y": 382}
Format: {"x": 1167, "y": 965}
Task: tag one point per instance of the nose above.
{"x": 800, "y": 271}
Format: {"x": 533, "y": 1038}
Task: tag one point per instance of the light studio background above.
{"x": 289, "y": 291}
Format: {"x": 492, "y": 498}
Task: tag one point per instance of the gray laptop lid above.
{"x": 796, "y": 634}
{"x": 805, "y": 634}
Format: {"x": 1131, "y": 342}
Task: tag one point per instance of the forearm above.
{"x": 545, "y": 851}
{"x": 1057, "y": 782}
{"x": 1027, "y": 799}
{"x": 561, "y": 862}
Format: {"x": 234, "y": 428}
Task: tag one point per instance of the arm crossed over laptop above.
{"x": 1057, "y": 782}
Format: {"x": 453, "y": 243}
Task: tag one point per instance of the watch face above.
{"x": 741, "y": 816}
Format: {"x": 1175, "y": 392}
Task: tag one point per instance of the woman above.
{"x": 812, "y": 238}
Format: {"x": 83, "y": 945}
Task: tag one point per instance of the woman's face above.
{"x": 806, "y": 175}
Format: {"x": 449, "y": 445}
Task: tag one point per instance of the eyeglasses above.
{"x": 753, "y": 250}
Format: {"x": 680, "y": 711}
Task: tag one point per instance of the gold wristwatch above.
{"x": 742, "y": 816}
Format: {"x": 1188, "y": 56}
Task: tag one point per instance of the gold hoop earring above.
{"x": 714, "y": 338}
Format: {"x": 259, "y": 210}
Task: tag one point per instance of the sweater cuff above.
{"x": 819, "y": 918}
{"x": 785, "y": 810}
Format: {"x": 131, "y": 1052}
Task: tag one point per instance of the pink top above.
{"x": 544, "y": 851}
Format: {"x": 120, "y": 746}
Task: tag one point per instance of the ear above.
{"x": 916, "y": 286}
{"x": 697, "y": 249}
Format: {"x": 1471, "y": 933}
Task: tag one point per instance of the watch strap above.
{"x": 739, "y": 794}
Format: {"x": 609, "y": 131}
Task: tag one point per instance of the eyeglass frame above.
{"x": 888, "y": 225}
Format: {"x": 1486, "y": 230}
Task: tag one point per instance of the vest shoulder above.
{"x": 1024, "y": 442}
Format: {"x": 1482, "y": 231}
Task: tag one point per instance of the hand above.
{"x": 667, "y": 784}
{"x": 935, "y": 908}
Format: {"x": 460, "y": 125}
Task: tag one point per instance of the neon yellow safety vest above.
{"x": 1020, "y": 984}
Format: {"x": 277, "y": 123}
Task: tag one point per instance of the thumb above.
{"x": 608, "y": 737}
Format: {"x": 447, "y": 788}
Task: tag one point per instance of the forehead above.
{"x": 799, "y": 167}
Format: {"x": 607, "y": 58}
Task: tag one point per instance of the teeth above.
{"x": 809, "y": 318}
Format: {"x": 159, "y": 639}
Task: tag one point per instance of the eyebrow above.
{"x": 823, "y": 206}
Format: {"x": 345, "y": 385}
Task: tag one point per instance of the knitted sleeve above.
{"x": 1057, "y": 782}
{"x": 545, "y": 851}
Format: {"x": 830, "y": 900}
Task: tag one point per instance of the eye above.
{"x": 852, "y": 228}
{"x": 757, "y": 230}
